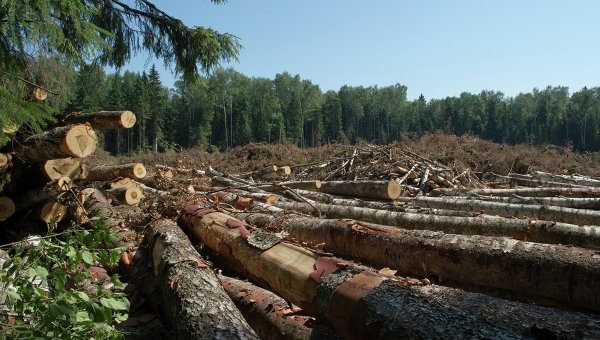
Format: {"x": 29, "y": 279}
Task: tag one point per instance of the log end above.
{"x": 63, "y": 183}
{"x": 7, "y": 208}
{"x": 139, "y": 170}
{"x": 127, "y": 119}
{"x": 318, "y": 184}
{"x": 4, "y": 161}
{"x": 52, "y": 212}
{"x": 394, "y": 189}
{"x": 133, "y": 195}
{"x": 80, "y": 141}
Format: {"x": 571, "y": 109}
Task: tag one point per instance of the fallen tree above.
{"x": 569, "y": 202}
{"x": 533, "y": 192}
{"x": 109, "y": 172}
{"x": 103, "y": 120}
{"x": 64, "y": 141}
{"x": 387, "y": 190}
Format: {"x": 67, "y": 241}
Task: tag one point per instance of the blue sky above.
{"x": 438, "y": 48}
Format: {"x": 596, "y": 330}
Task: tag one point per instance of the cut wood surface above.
{"x": 524, "y": 229}
{"x": 64, "y": 141}
{"x": 303, "y": 185}
{"x": 193, "y": 300}
{"x": 566, "y": 274}
{"x": 130, "y": 195}
{"x": 387, "y": 190}
{"x": 7, "y": 208}
{"x": 109, "y": 172}
{"x": 124, "y": 182}
{"x": 103, "y": 120}
{"x": 542, "y": 212}
{"x": 271, "y": 316}
{"x": 64, "y": 167}
{"x": 52, "y": 212}
{"x": 532, "y": 192}
{"x": 38, "y": 94}
{"x": 5, "y": 162}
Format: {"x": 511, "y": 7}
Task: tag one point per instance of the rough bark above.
{"x": 7, "y": 208}
{"x": 531, "y": 192}
{"x": 193, "y": 300}
{"x": 523, "y": 229}
{"x": 387, "y": 190}
{"x": 64, "y": 141}
{"x": 568, "y": 202}
{"x": 180, "y": 170}
{"x": 301, "y": 185}
{"x": 356, "y": 303}
{"x": 567, "y": 274}
{"x": 515, "y": 180}
{"x": 542, "y": 212}
{"x": 103, "y": 120}
{"x": 64, "y": 167}
{"x": 567, "y": 179}
{"x": 271, "y": 316}
{"x": 96, "y": 205}
{"x": 109, "y": 172}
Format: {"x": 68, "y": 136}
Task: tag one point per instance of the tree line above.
{"x": 228, "y": 109}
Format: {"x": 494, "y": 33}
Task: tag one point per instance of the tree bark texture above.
{"x": 568, "y": 202}
{"x": 523, "y": 229}
{"x": 567, "y": 274}
{"x": 64, "y": 141}
{"x": 357, "y": 303}
{"x": 109, "y": 172}
{"x": 530, "y": 192}
{"x": 103, "y": 120}
{"x": 193, "y": 299}
{"x": 387, "y": 190}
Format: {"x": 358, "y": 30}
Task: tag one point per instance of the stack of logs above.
{"x": 370, "y": 258}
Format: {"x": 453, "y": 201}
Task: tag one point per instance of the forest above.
{"x": 227, "y": 109}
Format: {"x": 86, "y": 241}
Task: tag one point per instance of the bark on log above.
{"x": 109, "y": 172}
{"x": 300, "y": 185}
{"x": 542, "y": 212}
{"x": 528, "y": 181}
{"x": 124, "y": 182}
{"x": 356, "y": 303}
{"x": 7, "y": 208}
{"x": 522, "y": 229}
{"x": 387, "y": 190}
{"x": 130, "y": 195}
{"x": 64, "y": 141}
{"x": 568, "y": 202}
{"x": 97, "y": 205}
{"x": 103, "y": 120}
{"x": 64, "y": 167}
{"x": 228, "y": 182}
{"x": 193, "y": 300}
{"x": 271, "y": 316}
{"x": 180, "y": 170}
{"x": 567, "y": 274}
{"x": 567, "y": 179}
{"x": 531, "y": 192}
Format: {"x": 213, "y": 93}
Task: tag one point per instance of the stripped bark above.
{"x": 64, "y": 141}
{"x": 356, "y": 303}
{"x": 103, "y": 120}
{"x": 542, "y": 212}
{"x": 109, "y": 172}
{"x": 193, "y": 300}
{"x": 387, "y": 190}
{"x": 532, "y": 192}
{"x": 271, "y": 316}
{"x": 567, "y": 274}
{"x": 523, "y": 229}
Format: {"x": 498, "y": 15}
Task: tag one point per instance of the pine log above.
{"x": 530, "y": 192}
{"x": 7, "y": 208}
{"x": 569, "y": 202}
{"x": 542, "y": 212}
{"x": 52, "y": 212}
{"x": 64, "y": 141}
{"x": 130, "y": 195}
{"x": 269, "y": 172}
{"x": 522, "y": 229}
{"x": 159, "y": 179}
{"x": 357, "y": 303}
{"x": 64, "y": 167}
{"x": 109, "y": 172}
{"x": 271, "y": 316}
{"x": 234, "y": 199}
{"x": 264, "y": 198}
{"x": 387, "y": 190}
{"x": 193, "y": 300}
{"x": 567, "y": 274}
{"x": 124, "y": 182}
{"x": 103, "y": 120}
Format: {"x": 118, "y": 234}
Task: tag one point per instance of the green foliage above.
{"x": 48, "y": 292}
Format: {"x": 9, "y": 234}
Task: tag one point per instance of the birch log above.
{"x": 103, "y": 120}
{"x": 523, "y": 229}
{"x": 193, "y": 300}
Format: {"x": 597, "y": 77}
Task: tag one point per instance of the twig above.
{"x": 30, "y": 83}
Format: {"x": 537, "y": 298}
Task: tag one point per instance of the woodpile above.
{"x": 380, "y": 243}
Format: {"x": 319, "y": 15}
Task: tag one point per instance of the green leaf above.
{"x": 82, "y": 316}
{"x": 87, "y": 257}
{"x": 83, "y": 296}
{"x": 71, "y": 252}
{"x": 114, "y": 304}
{"x": 41, "y": 272}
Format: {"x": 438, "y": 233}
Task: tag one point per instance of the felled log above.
{"x": 103, "y": 120}
{"x": 52, "y": 212}
{"x": 567, "y": 179}
{"x": 284, "y": 171}
{"x": 7, "y": 208}
{"x": 270, "y": 171}
{"x": 528, "y": 181}
{"x": 301, "y": 185}
{"x": 271, "y": 316}
{"x": 387, "y": 190}
{"x": 64, "y": 141}
{"x": 230, "y": 183}
{"x": 357, "y": 303}
{"x": 5, "y": 162}
{"x": 64, "y": 167}
{"x": 566, "y": 274}
{"x": 159, "y": 179}
{"x": 531, "y": 192}
{"x": 236, "y": 201}
{"x": 193, "y": 300}
{"x": 522, "y": 229}
{"x": 39, "y": 195}
{"x": 542, "y": 212}
{"x": 130, "y": 195}
{"x": 181, "y": 170}
{"x": 124, "y": 182}
{"x": 264, "y": 198}
{"x": 569, "y": 202}
{"x": 109, "y": 172}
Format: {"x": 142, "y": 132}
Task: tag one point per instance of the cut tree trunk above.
{"x": 7, "y": 208}
{"x": 64, "y": 141}
{"x": 531, "y": 192}
{"x": 301, "y": 185}
{"x": 566, "y": 274}
{"x": 38, "y": 94}
{"x": 387, "y": 190}
{"x": 52, "y": 212}
{"x": 5, "y": 162}
{"x": 357, "y": 303}
{"x": 271, "y": 316}
{"x": 542, "y": 212}
{"x": 193, "y": 300}
{"x": 124, "y": 182}
{"x": 64, "y": 167}
{"x": 110, "y": 172}
{"x": 568, "y": 202}
{"x": 96, "y": 205}
{"x": 523, "y": 229}
{"x": 103, "y": 120}
{"x": 230, "y": 183}
{"x": 130, "y": 195}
